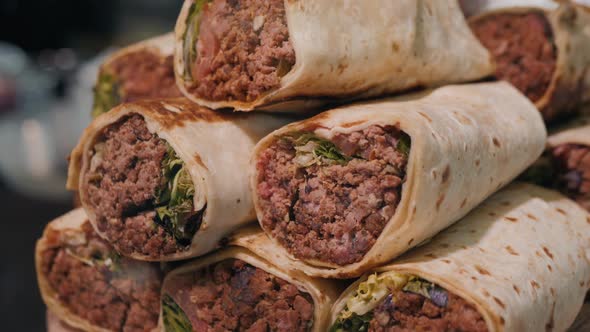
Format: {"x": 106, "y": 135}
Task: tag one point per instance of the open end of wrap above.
{"x": 397, "y": 302}
{"x": 523, "y": 48}
{"x": 96, "y": 284}
{"x": 566, "y": 168}
{"x": 233, "y": 295}
{"x": 329, "y": 200}
{"x": 139, "y": 74}
{"x": 140, "y": 191}
{"x": 236, "y": 50}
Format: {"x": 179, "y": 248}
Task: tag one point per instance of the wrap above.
{"x": 286, "y": 55}
{"x": 555, "y": 73}
{"x": 188, "y": 292}
{"x": 141, "y": 71}
{"x": 459, "y": 144}
{"x": 163, "y": 180}
{"x": 88, "y": 286}
{"x": 506, "y": 258}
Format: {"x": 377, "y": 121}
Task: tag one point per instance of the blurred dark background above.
{"x": 49, "y": 53}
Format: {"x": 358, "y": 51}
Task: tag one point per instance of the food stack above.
{"x": 332, "y": 166}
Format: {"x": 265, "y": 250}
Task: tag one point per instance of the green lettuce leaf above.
{"x": 191, "y": 34}
{"x": 175, "y": 319}
{"x": 109, "y": 261}
{"x": 311, "y": 149}
{"x": 418, "y": 286}
{"x": 371, "y": 292}
{"x": 106, "y": 94}
{"x": 356, "y": 323}
{"x": 404, "y": 145}
{"x": 174, "y": 200}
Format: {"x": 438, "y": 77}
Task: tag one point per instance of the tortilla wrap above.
{"x": 214, "y": 147}
{"x": 323, "y": 292}
{"x": 65, "y": 231}
{"x": 140, "y": 71}
{"x": 569, "y": 86}
{"x": 507, "y": 258}
{"x": 344, "y": 49}
{"x": 467, "y": 141}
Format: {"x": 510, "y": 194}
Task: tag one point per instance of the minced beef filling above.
{"x": 333, "y": 213}
{"x": 235, "y": 296}
{"x": 522, "y": 45}
{"x": 122, "y": 296}
{"x": 144, "y": 74}
{"x": 405, "y": 312}
{"x": 121, "y": 187}
{"x": 572, "y": 167}
{"x": 242, "y": 51}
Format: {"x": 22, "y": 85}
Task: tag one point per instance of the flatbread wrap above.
{"x": 504, "y": 267}
{"x": 354, "y": 187}
{"x": 287, "y": 55}
{"x": 88, "y": 286}
{"x": 544, "y": 53}
{"x": 141, "y": 71}
{"x": 238, "y": 290}
{"x": 165, "y": 180}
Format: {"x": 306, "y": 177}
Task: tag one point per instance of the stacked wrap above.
{"x": 570, "y": 82}
{"x": 322, "y": 292}
{"x": 68, "y": 231}
{"x": 215, "y": 148}
{"x": 140, "y": 71}
{"x": 351, "y": 50}
{"x": 467, "y": 141}
{"x": 521, "y": 258}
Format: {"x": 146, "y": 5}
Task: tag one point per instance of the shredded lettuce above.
{"x": 191, "y": 34}
{"x": 358, "y": 311}
{"x": 311, "y": 149}
{"x": 371, "y": 291}
{"x": 110, "y": 261}
{"x": 175, "y": 319}
{"x": 418, "y": 286}
{"x": 106, "y": 94}
{"x": 403, "y": 145}
{"x": 353, "y": 323}
{"x": 174, "y": 199}
{"x": 427, "y": 289}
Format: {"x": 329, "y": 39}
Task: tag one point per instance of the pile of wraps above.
{"x": 331, "y": 165}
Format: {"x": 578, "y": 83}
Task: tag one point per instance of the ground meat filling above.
{"x": 572, "y": 167}
{"x": 235, "y": 296}
{"x": 522, "y": 45}
{"x": 333, "y": 212}
{"x": 97, "y": 285}
{"x": 121, "y": 185}
{"x": 144, "y": 74}
{"x": 404, "y": 312}
{"x": 242, "y": 51}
